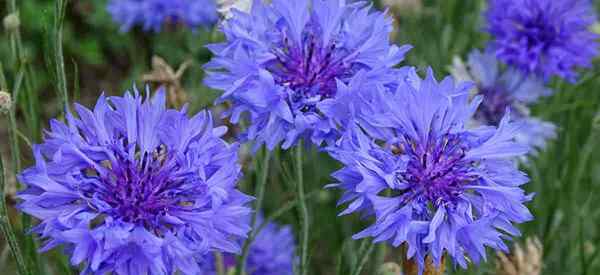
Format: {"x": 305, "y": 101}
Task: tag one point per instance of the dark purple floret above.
{"x": 495, "y": 102}
{"x": 310, "y": 71}
{"x": 436, "y": 172}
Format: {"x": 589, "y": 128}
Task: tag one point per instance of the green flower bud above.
{"x": 5, "y": 102}
{"x": 12, "y": 22}
{"x": 390, "y": 269}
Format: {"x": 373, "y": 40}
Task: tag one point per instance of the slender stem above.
{"x": 7, "y": 229}
{"x": 363, "y": 258}
{"x": 282, "y": 211}
{"x": 380, "y": 254}
{"x": 14, "y": 141}
{"x": 20, "y": 61}
{"x": 219, "y": 263}
{"x": 303, "y": 209}
{"x": 12, "y": 117}
{"x": 61, "y": 78}
{"x": 260, "y": 194}
{"x": 31, "y": 116}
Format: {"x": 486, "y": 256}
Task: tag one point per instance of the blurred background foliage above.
{"x": 99, "y": 58}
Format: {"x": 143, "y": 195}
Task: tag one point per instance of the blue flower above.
{"x": 434, "y": 184}
{"x": 271, "y": 253}
{"x": 504, "y": 87}
{"x": 153, "y": 14}
{"x": 131, "y": 187}
{"x": 282, "y": 60}
{"x": 544, "y": 37}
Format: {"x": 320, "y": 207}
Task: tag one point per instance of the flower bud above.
{"x": 596, "y": 28}
{"x": 390, "y": 269}
{"x": 523, "y": 260}
{"x": 12, "y": 22}
{"x": 225, "y": 6}
{"x": 5, "y": 102}
{"x": 324, "y": 196}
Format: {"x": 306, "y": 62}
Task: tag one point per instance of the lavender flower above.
{"x": 544, "y": 37}
{"x": 133, "y": 188}
{"x": 505, "y": 87}
{"x": 153, "y": 14}
{"x": 435, "y": 185}
{"x": 282, "y": 60}
{"x": 271, "y": 253}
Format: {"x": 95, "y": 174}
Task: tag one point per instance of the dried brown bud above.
{"x": 411, "y": 267}
{"x": 5, "y": 102}
{"x": 523, "y": 260}
{"x": 163, "y": 74}
{"x": 12, "y": 22}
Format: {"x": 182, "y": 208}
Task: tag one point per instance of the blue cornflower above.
{"x": 271, "y": 253}
{"x": 282, "y": 60}
{"x": 151, "y": 15}
{"x": 544, "y": 37}
{"x": 131, "y": 187}
{"x": 434, "y": 185}
{"x": 504, "y": 87}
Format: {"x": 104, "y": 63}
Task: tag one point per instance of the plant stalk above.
{"x": 7, "y": 229}
{"x": 260, "y": 194}
{"x": 303, "y": 210}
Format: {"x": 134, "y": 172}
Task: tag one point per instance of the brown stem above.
{"x": 410, "y": 267}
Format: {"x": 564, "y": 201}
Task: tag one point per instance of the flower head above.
{"x": 544, "y": 37}
{"x": 153, "y": 14}
{"x": 282, "y": 60}
{"x": 133, "y": 188}
{"x": 434, "y": 185}
{"x": 271, "y": 253}
{"x": 505, "y": 87}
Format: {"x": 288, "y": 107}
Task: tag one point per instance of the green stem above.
{"x": 219, "y": 263}
{"x": 61, "y": 78}
{"x": 380, "y": 254}
{"x": 260, "y": 194}
{"x": 12, "y": 121}
{"x": 7, "y": 229}
{"x": 31, "y": 115}
{"x": 363, "y": 258}
{"x": 20, "y": 61}
{"x": 303, "y": 209}
{"x": 282, "y": 211}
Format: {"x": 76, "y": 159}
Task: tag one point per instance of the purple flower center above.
{"x": 494, "y": 104}
{"x": 538, "y": 32}
{"x": 309, "y": 70}
{"x": 144, "y": 190}
{"x": 436, "y": 171}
